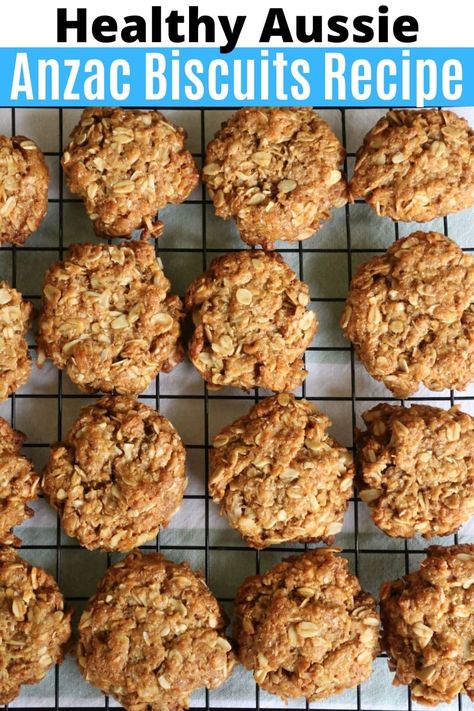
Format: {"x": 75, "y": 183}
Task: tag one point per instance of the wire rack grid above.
{"x": 45, "y": 407}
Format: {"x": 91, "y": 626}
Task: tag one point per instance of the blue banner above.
{"x": 205, "y": 77}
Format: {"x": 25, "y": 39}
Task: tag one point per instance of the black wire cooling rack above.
{"x": 362, "y": 555}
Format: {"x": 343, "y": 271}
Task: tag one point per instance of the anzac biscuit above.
{"x": 410, "y": 315}
{"x": 428, "y": 626}
{"x": 108, "y": 318}
{"x": 24, "y": 179}
{"x": 252, "y": 322}
{"x": 126, "y": 165}
{"x": 18, "y": 483}
{"x": 416, "y": 165}
{"x": 277, "y": 172}
{"x": 34, "y": 627}
{"x": 417, "y": 469}
{"x": 118, "y": 476}
{"x": 279, "y": 476}
{"x": 15, "y": 319}
{"x": 305, "y": 628}
{"x": 152, "y": 634}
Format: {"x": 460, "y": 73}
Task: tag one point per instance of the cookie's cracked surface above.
{"x": 18, "y": 483}
{"x": 15, "y": 361}
{"x": 305, "y": 628}
{"x": 108, "y": 318}
{"x": 126, "y": 165}
{"x": 416, "y": 165}
{"x": 428, "y": 626}
{"x": 417, "y": 469}
{"x": 277, "y": 171}
{"x": 152, "y": 634}
{"x": 24, "y": 180}
{"x": 34, "y": 626}
{"x": 279, "y": 476}
{"x": 410, "y": 315}
{"x": 118, "y": 477}
{"x": 252, "y": 322}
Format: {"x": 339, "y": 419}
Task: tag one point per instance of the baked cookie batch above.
{"x": 153, "y": 633}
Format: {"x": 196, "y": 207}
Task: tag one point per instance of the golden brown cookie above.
{"x": 152, "y": 634}
{"x": 34, "y": 627}
{"x": 417, "y": 469}
{"x": 126, "y": 165}
{"x": 15, "y": 319}
{"x": 409, "y": 314}
{"x": 277, "y": 172}
{"x": 24, "y": 179}
{"x": 118, "y": 477}
{"x": 18, "y": 483}
{"x": 416, "y": 165}
{"x": 278, "y": 476}
{"x": 108, "y": 318}
{"x": 428, "y": 626}
{"x": 305, "y": 628}
{"x": 252, "y": 322}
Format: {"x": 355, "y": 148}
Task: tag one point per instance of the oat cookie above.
{"x": 428, "y": 626}
{"x": 126, "y": 165}
{"x": 24, "y": 179}
{"x": 305, "y": 628}
{"x": 108, "y": 318}
{"x": 409, "y": 314}
{"x": 278, "y": 476}
{"x": 417, "y": 469}
{"x": 18, "y": 483}
{"x": 34, "y": 626}
{"x": 252, "y": 322}
{"x": 118, "y": 476}
{"x": 416, "y": 165}
{"x": 277, "y": 172}
{"x": 15, "y": 319}
{"x": 152, "y": 634}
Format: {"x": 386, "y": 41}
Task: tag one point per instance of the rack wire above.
{"x": 339, "y": 248}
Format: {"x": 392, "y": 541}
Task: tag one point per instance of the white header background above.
{"x": 32, "y": 23}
